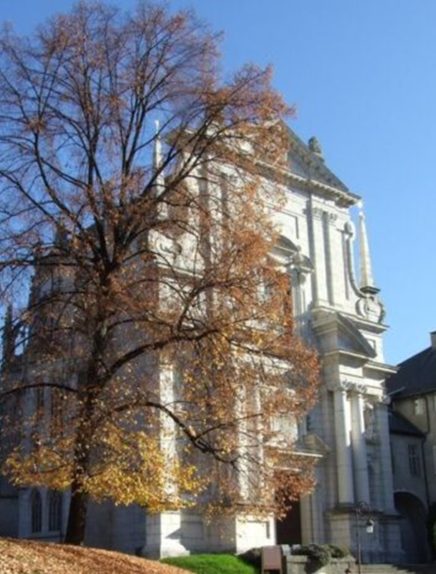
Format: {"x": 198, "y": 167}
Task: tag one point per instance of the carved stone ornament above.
{"x": 317, "y": 212}
{"x": 351, "y": 387}
{"x": 301, "y": 264}
{"x": 369, "y": 418}
{"x": 349, "y": 229}
{"x": 370, "y": 307}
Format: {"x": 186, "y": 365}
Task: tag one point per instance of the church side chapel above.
{"x": 343, "y": 440}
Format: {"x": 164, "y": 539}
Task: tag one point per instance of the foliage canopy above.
{"x": 138, "y": 190}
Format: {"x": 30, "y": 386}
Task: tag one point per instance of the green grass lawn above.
{"x": 212, "y": 564}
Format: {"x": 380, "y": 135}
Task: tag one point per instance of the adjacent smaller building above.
{"x": 413, "y": 442}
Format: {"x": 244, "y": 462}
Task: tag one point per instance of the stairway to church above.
{"x": 403, "y": 569}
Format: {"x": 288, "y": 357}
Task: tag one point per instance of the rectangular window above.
{"x": 419, "y": 406}
{"x": 414, "y": 460}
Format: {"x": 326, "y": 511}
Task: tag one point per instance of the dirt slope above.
{"x": 30, "y": 557}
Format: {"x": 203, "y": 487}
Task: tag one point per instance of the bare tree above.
{"x": 136, "y": 233}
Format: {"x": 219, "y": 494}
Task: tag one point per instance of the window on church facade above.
{"x": 54, "y": 511}
{"x": 36, "y": 510}
{"x": 414, "y": 460}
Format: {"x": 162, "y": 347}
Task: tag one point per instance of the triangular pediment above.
{"x": 305, "y": 163}
{"x": 309, "y": 165}
{"x": 315, "y": 444}
{"x": 339, "y": 333}
{"x": 351, "y": 339}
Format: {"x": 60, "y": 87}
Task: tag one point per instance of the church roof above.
{"x": 400, "y": 425}
{"x": 415, "y": 376}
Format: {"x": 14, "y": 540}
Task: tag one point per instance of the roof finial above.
{"x": 366, "y": 277}
{"x": 315, "y": 147}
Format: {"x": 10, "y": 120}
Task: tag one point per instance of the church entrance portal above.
{"x": 288, "y": 530}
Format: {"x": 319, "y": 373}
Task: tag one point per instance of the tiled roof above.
{"x": 415, "y": 376}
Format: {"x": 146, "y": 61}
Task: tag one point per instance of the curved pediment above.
{"x": 288, "y": 254}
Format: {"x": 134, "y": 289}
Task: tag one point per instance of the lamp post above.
{"x": 362, "y": 510}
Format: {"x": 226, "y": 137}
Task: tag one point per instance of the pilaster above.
{"x": 359, "y": 448}
{"x": 343, "y": 447}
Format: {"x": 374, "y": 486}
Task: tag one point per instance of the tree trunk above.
{"x": 79, "y": 500}
{"x": 76, "y": 518}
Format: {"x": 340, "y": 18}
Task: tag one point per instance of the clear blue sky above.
{"x": 363, "y": 77}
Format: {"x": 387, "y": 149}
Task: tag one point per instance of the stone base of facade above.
{"x": 178, "y": 533}
{"x": 382, "y": 545}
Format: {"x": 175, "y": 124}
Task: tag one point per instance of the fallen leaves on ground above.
{"x": 31, "y": 557}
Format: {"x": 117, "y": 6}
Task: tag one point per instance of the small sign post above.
{"x": 272, "y": 559}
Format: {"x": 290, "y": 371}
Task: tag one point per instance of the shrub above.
{"x": 338, "y": 551}
{"x": 317, "y": 552}
{"x": 252, "y": 556}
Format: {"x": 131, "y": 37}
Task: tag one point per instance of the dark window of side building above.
{"x": 414, "y": 461}
{"x": 54, "y": 511}
{"x": 36, "y": 506}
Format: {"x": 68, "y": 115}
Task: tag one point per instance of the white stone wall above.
{"x": 346, "y": 326}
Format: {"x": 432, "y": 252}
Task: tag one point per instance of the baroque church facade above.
{"x": 347, "y": 431}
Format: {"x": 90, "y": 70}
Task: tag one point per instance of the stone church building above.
{"x": 338, "y": 311}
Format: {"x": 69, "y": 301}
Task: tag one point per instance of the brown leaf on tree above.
{"x": 155, "y": 353}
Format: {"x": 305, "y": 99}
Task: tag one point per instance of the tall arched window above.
{"x": 54, "y": 510}
{"x": 36, "y": 509}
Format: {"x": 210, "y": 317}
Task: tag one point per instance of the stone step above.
{"x": 400, "y": 569}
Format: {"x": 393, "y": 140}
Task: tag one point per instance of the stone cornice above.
{"x": 382, "y": 368}
{"x": 339, "y": 196}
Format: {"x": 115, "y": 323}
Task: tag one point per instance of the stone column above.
{"x": 382, "y": 424}
{"x": 359, "y": 448}
{"x": 344, "y": 467}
